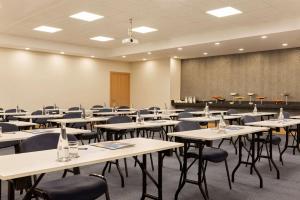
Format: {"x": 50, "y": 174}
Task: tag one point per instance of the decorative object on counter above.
{"x": 250, "y": 94}
{"x": 255, "y": 109}
{"x": 261, "y": 98}
{"x": 206, "y": 111}
{"x": 233, "y": 94}
{"x": 239, "y": 98}
{"x": 218, "y": 98}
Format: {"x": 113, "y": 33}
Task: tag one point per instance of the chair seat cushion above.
{"x": 275, "y": 140}
{"x": 210, "y": 154}
{"x": 214, "y": 154}
{"x": 87, "y": 136}
{"x": 77, "y": 187}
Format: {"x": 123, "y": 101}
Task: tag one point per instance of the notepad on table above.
{"x": 113, "y": 145}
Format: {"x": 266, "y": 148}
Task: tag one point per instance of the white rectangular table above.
{"x": 30, "y": 117}
{"x": 113, "y": 113}
{"x": 201, "y": 135}
{"x": 159, "y": 115}
{"x": 79, "y": 120}
{"x": 258, "y": 114}
{"x": 211, "y": 112}
{"x": 22, "y": 124}
{"x": 286, "y": 124}
{"x": 210, "y": 119}
{"x": 41, "y": 162}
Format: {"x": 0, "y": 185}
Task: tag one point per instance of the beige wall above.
{"x": 150, "y": 83}
{"x": 267, "y": 74}
{"x": 32, "y": 79}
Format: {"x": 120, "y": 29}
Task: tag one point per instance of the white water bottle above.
{"x": 63, "y": 145}
{"x": 281, "y": 116}
{"x": 255, "y": 109}
{"x": 0, "y": 131}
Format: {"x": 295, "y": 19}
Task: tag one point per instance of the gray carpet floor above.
{"x": 246, "y": 186}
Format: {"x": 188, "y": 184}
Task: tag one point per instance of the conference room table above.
{"x": 216, "y": 119}
{"x": 113, "y": 113}
{"x": 22, "y": 135}
{"x": 31, "y": 117}
{"x": 274, "y": 124}
{"x": 196, "y": 113}
{"x": 79, "y": 120}
{"x": 257, "y": 114}
{"x": 168, "y": 110}
{"x": 41, "y": 162}
{"x": 201, "y": 136}
{"x": 157, "y": 116}
{"x": 22, "y": 124}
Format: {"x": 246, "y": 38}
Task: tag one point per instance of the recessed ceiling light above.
{"x": 241, "y": 49}
{"x": 102, "y": 38}
{"x": 47, "y": 29}
{"x": 175, "y": 57}
{"x": 92, "y": 56}
{"x": 205, "y": 53}
{"x": 144, "y": 59}
{"x": 285, "y": 44}
{"x": 179, "y": 48}
{"x": 86, "y": 16}
{"x": 149, "y": 53}
{"x": 62, "y": 52}
{"x": 224, "y": 12}
{"x": 264, "y": 37}
{"x": 27, "y": 48}
{"x": 123, "y": 56}
{"x": 217, "y": 43}
{"x": 144, "y": 29}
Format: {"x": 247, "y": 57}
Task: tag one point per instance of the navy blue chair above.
{"x": 185, "y": 115}
{"x": 9, "y": 117}
{"x": 8, "y": 128}
{"x": 145, "y": 112}
{"x": 154, "y": 107}
{"x": 74, "y": 109}
{"x": 265, "y": 140}
{"x": 190, "y": 110}
{"x": 75, "y": 187}
{"x": 209, "y": 154}
{"x": 40, "y": 121}
{"x": 105, "y": 110}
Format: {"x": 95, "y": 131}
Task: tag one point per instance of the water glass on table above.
{"x": 73, "y": 149}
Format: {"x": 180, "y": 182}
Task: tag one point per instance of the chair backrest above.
{"x": 49, "y": 107}
{"x": 97, "y": 106}
{"x": 186, "y": 126}
{"x": 105, "y": 110}
{"x": 286, "y": 115}
{"x": 184, "y": 115}
{"x": 119, "y": 119}
{"x": 232, "y": 111}
{"x": 11, "y": 110}
{"x": 144, "y": 112}
{"x": 154, "y": 107}
{"x": 190, "y": 109}
{"x": 37, "y": 112}
{"x": 248, "y": 119}
{"x": 7, "y": 127}
{"x": 72, "y": 115}
{"x": 74, "y": 108}
{"x": 42, "y": 142}
{"x": 123, "y": 107}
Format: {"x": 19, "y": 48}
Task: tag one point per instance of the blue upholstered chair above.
{"x": 8, "y": 128}
{"x": 209, "y": 154}
{"x": 40, "y": 121}
{"x": 77, "y": 187}
{"x": 185, "y": 115}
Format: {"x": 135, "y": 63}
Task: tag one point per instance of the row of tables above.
{"x": 32, "y": 161}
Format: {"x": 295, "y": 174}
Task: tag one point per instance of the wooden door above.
{"x": 119, "y": 89}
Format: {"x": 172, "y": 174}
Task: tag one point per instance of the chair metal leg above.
{"x": 228, "y": 176}
{"x": 151, "y": 160}
{"x": 126, "y": 169}
{"x": 279, "y": 153}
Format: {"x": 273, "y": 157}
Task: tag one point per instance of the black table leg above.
{"x": 200, "y": 169}
{"x": 144, "y": 168}
{"x": 286, "y": 143}
{"x": 254, "y": 159}
{"x": 240, "y": 158}
{"x": 182, "y": 179}
{"x": 271, "y": 152}
{"x": 11, "y": 190}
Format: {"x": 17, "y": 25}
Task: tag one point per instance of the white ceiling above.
{"x": 180, "y": 23}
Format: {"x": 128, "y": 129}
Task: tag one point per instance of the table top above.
{"x": 22, "y": 135}
{"x": 135, "y": 125}
{"x": 79, "y": 120}
{"x": 295, "y": 117}
{"x": 208, "y": 119}
{"x": 210, "y": 134}
{"x": 45, "y": 161}
{"x": 40, "y": 116}
{"x": 22, "y": 124}
{"x": 168, "y": 110}
{"x": 258, "y": 114}
{"x": 13, "y": 114}
{"x": 159, "y": 115}
{"x": 211, "y": 112}
{"x": 275, "y": 123}
{"x": 114, "y": 113}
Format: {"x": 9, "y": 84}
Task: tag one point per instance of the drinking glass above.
{"x": 73, "y": 149}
